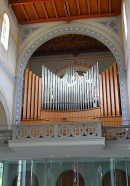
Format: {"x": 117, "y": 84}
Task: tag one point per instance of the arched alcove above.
{"x": 4, "y": 116}
{"x": 66, "y": 179}
{"x": 31, "y": 179}
{"x": 3, "y": 120}
{"x": 116, "y": 177}
{"x": 84, "y": 29}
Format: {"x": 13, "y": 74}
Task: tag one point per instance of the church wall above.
{"x": 126, "y": 39}
{"x": 8, "y": 59}
{"x": 48, "y": 171}
{"x": 7, "y": 89}
{"x": 10, "y": 172}
{"x": 128, "y": 83}
{"x": 55, "y": 63}
{"x": 3, "y": 120}
{"x": 106, "y": 30}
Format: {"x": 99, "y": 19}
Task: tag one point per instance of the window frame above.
{"x": 5, "y": 30}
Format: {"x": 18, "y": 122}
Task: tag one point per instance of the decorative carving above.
{"x": 26, "y": 32}
{"x": 116, "y": 133}
{"x": 56, "y": 131}
{"x": 111, "y": 24}
{"x": 62, "y": 131}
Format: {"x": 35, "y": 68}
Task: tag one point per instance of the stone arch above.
{"x": 5, "y": 111}
{"x": 66, "y": 179}
{"x": 31, "y": 179}
{"x": 76, "y": 28}
{"x": 115, "y": 176}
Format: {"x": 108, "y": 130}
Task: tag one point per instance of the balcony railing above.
{"x": 116, "y": 132}
{"x": 56, "y": 131}
{"x": 66, "y": 130}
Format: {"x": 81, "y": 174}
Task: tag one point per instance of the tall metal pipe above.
{"x": 72, "y": 92}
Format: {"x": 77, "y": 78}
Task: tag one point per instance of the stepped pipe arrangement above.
{"x": 72, "y": 91}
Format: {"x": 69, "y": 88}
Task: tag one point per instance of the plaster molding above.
{"x": 112, "y": 25}
{"x": 76, "y": 28}
{"x": 25, "y": 32}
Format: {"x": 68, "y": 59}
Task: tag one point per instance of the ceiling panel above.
{"x": 35, "y": 11}
{"x": 70, "y": 44}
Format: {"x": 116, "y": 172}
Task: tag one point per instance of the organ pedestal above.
{"x": 73, "y": 97}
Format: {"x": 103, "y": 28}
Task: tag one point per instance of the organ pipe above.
{"x": 72, "y": 91}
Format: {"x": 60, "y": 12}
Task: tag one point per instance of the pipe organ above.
{"x": 72, "y": 91}
{"x": 89, "y": 96}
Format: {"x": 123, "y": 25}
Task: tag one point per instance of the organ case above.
{"x": 73, "y": 97}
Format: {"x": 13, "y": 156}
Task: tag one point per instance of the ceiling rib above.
{"x": 70, "y": 44}
{"x": 74, "y": 44}
{"x": 27, "y": 11}
{"x": 84, "y": 41}
{"x": 99, "y": 6}
{"x": 69, "y": 52}
{"x": 67, "y": 18}
{"x": 62, "y": 43}
{"x": 17, "y": 2}
{"x": 71, "y": 41}
{"x": 109, "y": 6}
{"x": 54, "y": 47}
{"x": 46, "y": 14}
{"x": 88, "y": 4}
{"x": 17, "y": 15}
{"x": 35, "y": 12}
{"x": 45, "y": 48}
{"x": 54, "y": 7}
{"x": 78, "y": 7}
{"x": 24, "y": 11}
{"x": 63, "y": 47}
{"x": 67, "y": 8}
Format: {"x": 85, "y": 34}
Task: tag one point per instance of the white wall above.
{"x": 3, "y": 120}
{"x": 92, "y": 171}
{"x": 107, "y": 30}
{"x": 126, "y": 39}
{"x": 55, "y": 63}
{"x": 8, "y": 59}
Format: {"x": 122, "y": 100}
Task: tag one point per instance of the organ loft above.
{"x": 72, "y": 96}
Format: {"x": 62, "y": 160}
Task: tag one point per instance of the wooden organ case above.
{"x": 73, "y": 97}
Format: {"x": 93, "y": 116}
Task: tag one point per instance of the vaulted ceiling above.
{"x": 35, "y": 11}
{"x": 70, "y": 44}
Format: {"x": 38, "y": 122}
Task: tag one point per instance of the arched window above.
{"x": 31, "y": 179}
{"x": 5, "y": 31}
{"x": 125, "y": 20}
{"x": 116, "y": 177}
{"x": 66, "y": 179}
